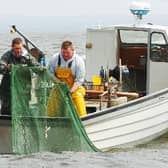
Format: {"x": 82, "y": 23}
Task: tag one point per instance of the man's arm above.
{"x": 52, "y": 63}
{"x": 4, "y": 66}
{"x": 80, "y": 74}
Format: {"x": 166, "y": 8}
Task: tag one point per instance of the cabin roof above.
{"x": 139, "y": 26}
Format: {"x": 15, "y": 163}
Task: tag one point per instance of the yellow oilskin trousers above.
{"x": 78, "y": 99}
{"x": 65, "y": 75}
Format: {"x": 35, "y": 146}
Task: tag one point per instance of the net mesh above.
{"x": 43, "y": 115}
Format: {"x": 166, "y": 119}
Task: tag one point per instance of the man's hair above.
{"x": 17, "y": 40}
{"x": 66, "y": 44}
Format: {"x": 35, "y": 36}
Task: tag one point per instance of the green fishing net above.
{"x": 43, "y": 115}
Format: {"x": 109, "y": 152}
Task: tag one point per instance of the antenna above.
{"x": 139, "y": 9}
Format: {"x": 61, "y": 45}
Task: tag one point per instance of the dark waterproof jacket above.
{"x": 8, "y": 58}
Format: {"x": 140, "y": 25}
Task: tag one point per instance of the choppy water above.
{"x": 49, "y": 43}
{"x": 151, "y": 155}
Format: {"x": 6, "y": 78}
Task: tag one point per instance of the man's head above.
{"x": 17, "y": 47}
{"x": 67, "y": 50}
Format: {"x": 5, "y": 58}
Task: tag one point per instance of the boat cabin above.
{"x": 143, "y": 49}
{"x": 135, "y": 55}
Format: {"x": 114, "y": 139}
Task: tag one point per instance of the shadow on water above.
{"x": 160, "y": 142}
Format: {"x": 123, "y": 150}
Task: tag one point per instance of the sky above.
{"x": 73, "y": 14}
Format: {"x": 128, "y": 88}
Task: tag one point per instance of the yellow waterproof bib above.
{"x": 65, "y": 75}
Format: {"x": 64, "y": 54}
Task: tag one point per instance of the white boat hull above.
{"x": 129, "y": 124}
{"x": 132, "y": 123}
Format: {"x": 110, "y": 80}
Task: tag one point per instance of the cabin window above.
{"x": 133, "y": 36}
{"x": 159, "y": 48}
{"x": 133, "y": 48}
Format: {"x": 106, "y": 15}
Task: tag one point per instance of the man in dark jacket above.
{"x": 13, "y": 56}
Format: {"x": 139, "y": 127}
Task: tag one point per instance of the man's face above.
{"x": 67, "y": 53}
{"x": 18, "y": 50}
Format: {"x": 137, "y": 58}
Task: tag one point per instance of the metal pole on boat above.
{"x": 14, "y": 29}
{"x": 120, "y": 66}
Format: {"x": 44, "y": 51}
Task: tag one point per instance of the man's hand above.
{"x": 3, "y": 67}
{"x": 9, "y": 66}
{"x": 74, "y": 87}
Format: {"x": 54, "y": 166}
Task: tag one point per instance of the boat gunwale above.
{"x": 126, "y": 105}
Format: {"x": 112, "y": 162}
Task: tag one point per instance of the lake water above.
{"x": 49, "y": 43}
{"x": 151, "y": 155}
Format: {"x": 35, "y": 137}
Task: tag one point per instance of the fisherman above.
{"x": 13, "y": 56}
{"x": 70, "y": 68}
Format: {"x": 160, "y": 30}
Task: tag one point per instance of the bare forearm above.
{"x": 74, "y": 87}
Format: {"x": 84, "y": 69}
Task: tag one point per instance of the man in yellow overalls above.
{"x": 70, "y": 68}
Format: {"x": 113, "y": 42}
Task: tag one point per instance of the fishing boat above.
{"x": 142, "y": 48}
{"x": 133, "y": 108}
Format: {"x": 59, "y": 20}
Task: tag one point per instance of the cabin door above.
{"x": 133, "y": 48}
{"x": 158, "y": 62}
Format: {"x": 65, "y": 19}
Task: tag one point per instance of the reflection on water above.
{"x": 151, "y": 155}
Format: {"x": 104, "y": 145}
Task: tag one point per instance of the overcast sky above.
{"x": 117, "y": 10}
{"x": 73, "y": 7}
